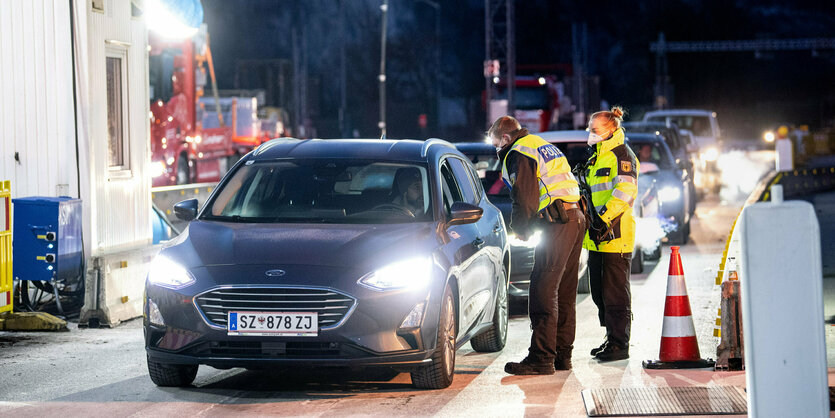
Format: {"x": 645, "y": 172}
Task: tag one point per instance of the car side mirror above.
{"x": 186, "y": 210}
{"x": 464, "y": 213}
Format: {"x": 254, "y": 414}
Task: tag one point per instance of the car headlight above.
{"x": 710, "y": 154}
{"x": 532, "y": 241}
{"x": 157, "y": 168}
{"x": 413, "y": 273}
{"x": 669, "y": 194}
{"x": 167, "y": 273}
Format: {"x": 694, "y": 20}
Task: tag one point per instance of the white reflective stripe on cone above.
{"x": 675, "y": 286}
{"x": 678, "y": 326}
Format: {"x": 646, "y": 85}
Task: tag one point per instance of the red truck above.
{"x": 537, "y": 102}
{"x": 183, "y": 151}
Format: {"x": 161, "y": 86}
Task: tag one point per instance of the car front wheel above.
{"x": 171, "y": 374}
{"x": 438, "y": 374}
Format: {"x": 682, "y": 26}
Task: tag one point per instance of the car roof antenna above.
{"x": 383, "y": 136}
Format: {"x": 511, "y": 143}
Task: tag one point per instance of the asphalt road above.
{"x": 102, "y": 372}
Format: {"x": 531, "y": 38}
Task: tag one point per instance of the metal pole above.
{"x": 511, "y": 58}
{"x": 382, "y": 77}
{"x": 437, "y": 69}
{"x": 488, "y": 55}
{"x": 214, "y": 81}
{"x": 435, "y": 5}
{"x": 343, "y": 94}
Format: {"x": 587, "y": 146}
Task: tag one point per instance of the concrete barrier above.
{"x": 782, "y": 303}
{"x": 115, "y": 286}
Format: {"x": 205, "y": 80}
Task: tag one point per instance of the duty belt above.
{"x": 568, "y": 205}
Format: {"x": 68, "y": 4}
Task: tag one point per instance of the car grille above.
{"x": 331, "y": 306}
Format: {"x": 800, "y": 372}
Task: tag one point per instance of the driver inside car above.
{"x": 408, "y": 190}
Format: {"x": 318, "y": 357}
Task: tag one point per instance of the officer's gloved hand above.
{"x": 599, "y": 224}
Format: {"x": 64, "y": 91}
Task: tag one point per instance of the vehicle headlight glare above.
{"x": 710, "y": 154}
{"x": 412, "y": 320}
{"x": 532, "y": 241}
{"x": 413, "y": 273}
{"x": 167, "y": 273}
{"x": 669, "y": 194}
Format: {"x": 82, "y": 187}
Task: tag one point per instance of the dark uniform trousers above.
{"x": 553, "y": 289}
{"x": 610, "y": 271}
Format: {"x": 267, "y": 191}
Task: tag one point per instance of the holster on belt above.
{"x": 555, "y": 213}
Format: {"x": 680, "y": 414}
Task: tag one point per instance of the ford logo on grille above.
{"x": 275, "y": 273}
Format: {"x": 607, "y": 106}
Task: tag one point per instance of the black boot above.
{"x": 613, "y": 352}
{"x": 563, "y": 359}
{"x": 594, "y": 351}
{"x": 529, "y": 367}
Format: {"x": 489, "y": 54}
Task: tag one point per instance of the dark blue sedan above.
{"x": 332, "y": 253}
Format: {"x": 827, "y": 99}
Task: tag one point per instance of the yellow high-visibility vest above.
{"x": 552, "y": 170}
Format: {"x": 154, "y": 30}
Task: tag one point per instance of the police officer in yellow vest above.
{"x": 545, "y": 195}
{"x": 612, "y": 175}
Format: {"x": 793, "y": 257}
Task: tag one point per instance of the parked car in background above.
{"x": 647, "y": 236}
{"x": 681, "y": 145}
{"x": 671, "y": 181}
{"x": 489, "y": 170}
{"x": 707, "y": 136}
{"x": 332, "y": 253}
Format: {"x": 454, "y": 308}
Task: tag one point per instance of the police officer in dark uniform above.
{"x": 545, "y": 197}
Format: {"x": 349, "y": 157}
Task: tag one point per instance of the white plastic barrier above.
{"x": 782, "y": 305}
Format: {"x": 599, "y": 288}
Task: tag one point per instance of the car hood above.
{"x": 217, "y": 243}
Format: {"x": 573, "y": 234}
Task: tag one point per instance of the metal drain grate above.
{"x": 714, "y": 400}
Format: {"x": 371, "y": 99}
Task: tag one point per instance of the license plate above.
{"x": 297, "y": 324}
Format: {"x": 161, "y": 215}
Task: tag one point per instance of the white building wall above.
{"x": 60, "y": 136}
{"x": 121, "y": 216}
{"x": 37, "y": 118}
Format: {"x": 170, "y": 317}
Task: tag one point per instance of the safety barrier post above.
{"x": 730, "y": 352}
{"x": 6, "y": 279}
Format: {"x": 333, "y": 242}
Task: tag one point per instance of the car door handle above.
{"x": 478, "y": 243}
{"x": 497, "y": 228}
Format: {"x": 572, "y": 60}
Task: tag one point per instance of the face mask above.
{"x": 594, "y": 139}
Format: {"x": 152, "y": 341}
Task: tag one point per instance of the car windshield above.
{"x": 653, "y": 152}
{"x": 699, "y": 125}
{"x": 324, "y": 191}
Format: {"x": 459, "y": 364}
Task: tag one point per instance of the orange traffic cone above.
{"x": 679, "y": 348}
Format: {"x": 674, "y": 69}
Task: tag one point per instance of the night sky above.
{"x": 749, "y": 93}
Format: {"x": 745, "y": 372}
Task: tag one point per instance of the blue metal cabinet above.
{"x": 47, "y": 238}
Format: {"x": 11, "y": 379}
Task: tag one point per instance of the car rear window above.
{"x": 489, "y": 171}
{"x": 699, "y": 125}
